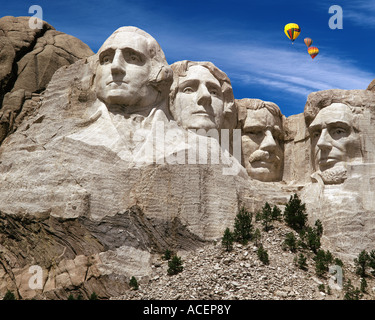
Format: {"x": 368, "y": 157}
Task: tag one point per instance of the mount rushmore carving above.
{"x": 122, "y": 137}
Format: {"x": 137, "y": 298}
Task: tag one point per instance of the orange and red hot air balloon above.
{"x": 292, "y": 31}
{"x": 308, "y": 42}
{"x": 313, "y": 51}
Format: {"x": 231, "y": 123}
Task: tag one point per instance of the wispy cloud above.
{"x": 360, "y": 12}
{"x": 287, "y": 68}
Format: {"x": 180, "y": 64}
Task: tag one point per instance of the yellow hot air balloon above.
{"x": 292, "y": 31}
{"x": 313, "y": 52}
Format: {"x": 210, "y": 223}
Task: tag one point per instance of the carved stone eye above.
{"x": 188, "y": 90}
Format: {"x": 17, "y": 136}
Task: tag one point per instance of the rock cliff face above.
{"x": 83, "y": 197}
{"x": 29, "y": 58}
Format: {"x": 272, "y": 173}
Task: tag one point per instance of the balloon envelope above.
{"x": 313, "y": 51}
{"x": 308, "y": 42}
{"x": 292, "y": 31}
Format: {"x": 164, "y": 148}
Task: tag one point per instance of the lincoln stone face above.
{"x": 262, "y": 142}
{"x": 334, "y": 138}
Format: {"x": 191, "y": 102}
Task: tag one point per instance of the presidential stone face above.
{"x": 334, "y": 139}
{"x": 201, "y": 96}
{"x": 262, "y": 143}
{"x": 130, "y": 61}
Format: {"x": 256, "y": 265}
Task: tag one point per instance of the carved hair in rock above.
{"x": 180, "y": 69}
{"x": 362, "y": 105}
{"x": 256, "y": 104}
{"x": 356, "y": 100}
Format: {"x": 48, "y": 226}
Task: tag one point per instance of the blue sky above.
{"x": 245, "y": 39}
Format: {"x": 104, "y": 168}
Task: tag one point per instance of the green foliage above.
{"x": 301, "y": 262}
{"x": 363, "y": 285}
{"x": 290, "y": 242}
{"x": 133, "y": 283}
{"x": 167, "y": 254}
{"x": 257, "y": 236}
{"x": 79, "y": 297}
{"x": 227, "y": 240}
{"x": 294, "y": 213}
{"x": 9, "y": 295}
{"x": 351, "y": 293}
{"x": 362, "y": 262}
{"x": 313, "y": 239}
{"x": 372, "y": 261}
{"x": 276, "y": 213}
{"x": 263, "y": 255}
{"x": 322, "y": 261}
{"x": 93, "y": 296}
{"x": 243, "y": 226}
{"x": 338, "y": 262}
{"x": 319, "y": 228}
{"x": 266, "y": 217}
{"x": 175, "y": 265}
{"x": 321, "y": 287}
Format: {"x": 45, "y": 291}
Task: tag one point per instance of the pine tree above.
{"x": 266, "y": 217}
{"x": 301, "y": 262}
{"x": 242, "y": 226}
{"x": 257, "y": 236}
{"x": 133, "y": 283}
{"x": 294, "y": 213}
{"x": 362, "y": 262}
{"x": 263, "y": 255}
{"x": 290, "y": 242}
{"x": 175, "y": 265}
{"x": 227, "y": 241}
{"x": 93, "y": 296}
{"x": 313, "y": 239}
{"x": 276, "y": 213}
{"x": 9, "y": 295}
{"x": 351, "y": 293}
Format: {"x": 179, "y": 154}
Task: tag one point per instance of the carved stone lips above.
{"x": 327, "y": 159}
{"x": 202, "y": 113}
{"x": 116, "y": 81}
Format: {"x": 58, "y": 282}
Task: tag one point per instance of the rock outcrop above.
{"x": 28, "y": 60}
{"x": 371, "y": 86}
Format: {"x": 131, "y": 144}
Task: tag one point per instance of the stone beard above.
{"x": 335, "y": 142}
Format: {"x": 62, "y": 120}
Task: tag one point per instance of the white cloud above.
{"x": 290, "y": 69}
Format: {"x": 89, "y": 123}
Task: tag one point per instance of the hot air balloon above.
{"x": 313, "y": 51}
{"x": 308, "y": 42}
{"x": 292, "y": 31}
